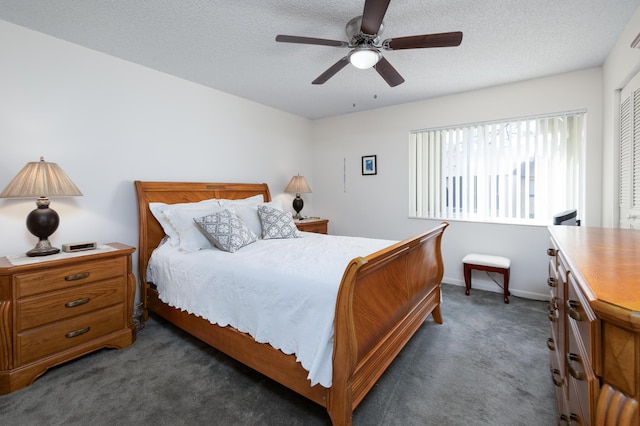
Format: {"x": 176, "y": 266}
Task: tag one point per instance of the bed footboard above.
{"x": 383, "y": 300}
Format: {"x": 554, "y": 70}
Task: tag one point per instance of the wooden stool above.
{"x": 486, "y": 262}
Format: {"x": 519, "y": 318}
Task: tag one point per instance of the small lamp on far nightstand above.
{"x": 41, "y": 179}
{"x": 298, "y": 185}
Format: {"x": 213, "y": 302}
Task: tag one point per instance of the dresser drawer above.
{"x": 580, "y": 374}
{"x": 50, "y": 279}
{"x": 552, "y": 252}
{"x": 56, "y": 305}
{"x": 50, "y": 339}
{"x": 552, "y": 278}
{"x": 555, "y": 364}
{"x": 582, "y": 315}
{"x": 577, "y": 415}
{"x": 555, "y": 319}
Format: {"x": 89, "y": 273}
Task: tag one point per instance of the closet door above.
{"x": 629, "y": 157}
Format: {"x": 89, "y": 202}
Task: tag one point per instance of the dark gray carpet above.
{"x": 486, "y": 365}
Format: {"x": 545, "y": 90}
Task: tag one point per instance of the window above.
{"x": 518, "y": 171}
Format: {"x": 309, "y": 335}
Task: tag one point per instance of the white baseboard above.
{"x": 494, "y": 288}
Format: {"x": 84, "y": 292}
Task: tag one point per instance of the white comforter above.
{"x": 281, "y": 292}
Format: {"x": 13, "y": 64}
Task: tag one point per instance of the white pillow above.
{"x": 249, "y": 200}
{"x": 248, "y": 213}
{"x": 189, "y": 235}
{"x": 225, "y": 230}
{"x": 159, "y": 211}
{"x": 156, "y": 211}
{"x": 276, "y": 223}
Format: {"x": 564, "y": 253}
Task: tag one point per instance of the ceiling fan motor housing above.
{"x": 357, "y": 37}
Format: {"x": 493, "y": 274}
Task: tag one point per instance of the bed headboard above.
{"x": 150, "y": 232}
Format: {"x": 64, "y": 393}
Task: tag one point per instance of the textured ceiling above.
{"x": 230, "y": 45}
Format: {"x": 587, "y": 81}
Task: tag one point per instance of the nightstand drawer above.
{"x": 46, "y": 280}
{"x": 51, "y": 339}
{"x": 54, "y": 306}
{"x": 317, "y": 226}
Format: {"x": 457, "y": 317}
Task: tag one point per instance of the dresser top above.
{"x": 606, "y": 260}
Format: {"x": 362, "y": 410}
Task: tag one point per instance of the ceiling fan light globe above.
{"x": 364, "y": 57}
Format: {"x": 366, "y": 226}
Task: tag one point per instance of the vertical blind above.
{"x": 629, "y": 167}
{"x": 629, "y": 155}
{"x": 520, "y": 170}
{"x": 625, "y": 157}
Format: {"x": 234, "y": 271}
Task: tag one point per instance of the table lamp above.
{"x": 41, "y": 179}
{"x": 298, "y": 185}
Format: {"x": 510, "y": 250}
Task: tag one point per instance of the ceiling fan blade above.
{"x": 422, "y": 41}
{"x": 388, "y": 72}
{"x": 310, "y": 40}
{"x": 372, "y": 15}
{"x": 333, "y": 70}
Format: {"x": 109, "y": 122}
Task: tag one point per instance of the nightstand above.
{"x": 57, "y": 308}
{"x": 319, "y": 226}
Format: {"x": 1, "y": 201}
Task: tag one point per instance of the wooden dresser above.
{"x": 594, "y": 313}
{"x": 52, "y": 311}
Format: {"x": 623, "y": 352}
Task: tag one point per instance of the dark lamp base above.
{"x": 43, "y": 248}
{"x": 297, "y": 206}
{"x": 42, "y": 222}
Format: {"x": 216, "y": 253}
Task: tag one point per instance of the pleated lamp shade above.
{"x": 298, "y": 185}
{"x": 40, "y": 179}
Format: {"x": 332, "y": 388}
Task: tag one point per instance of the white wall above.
{"x": 377, "y": 206}
{"x": 108, "y": 122}
{"x": 622, "y": 64}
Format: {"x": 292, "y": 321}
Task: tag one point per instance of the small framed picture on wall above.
{"x": 369, "y": 165}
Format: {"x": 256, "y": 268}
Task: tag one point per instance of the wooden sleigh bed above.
{"x": 382, "y": 300}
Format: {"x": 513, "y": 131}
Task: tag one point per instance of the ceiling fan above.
{"x": 364, "y": 41}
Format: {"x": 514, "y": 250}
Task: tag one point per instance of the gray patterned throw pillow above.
{"x": 225, "y": 230}
{"x": 276, "y": 223}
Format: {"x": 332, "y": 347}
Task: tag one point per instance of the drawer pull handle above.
{"x": 574, "y": 313}
{"x": 575, "y": 419}
{"x": 551, "y": 344}
{"x": 552, "y": 282}
{"x": 551, "y": 252}
{"x": 76, "y": 276}
{"x": 76, "y": 333}
{"x": 575, "y": 373}
{"x": 78, "y": 302}
{"x": 558, "y": 381}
